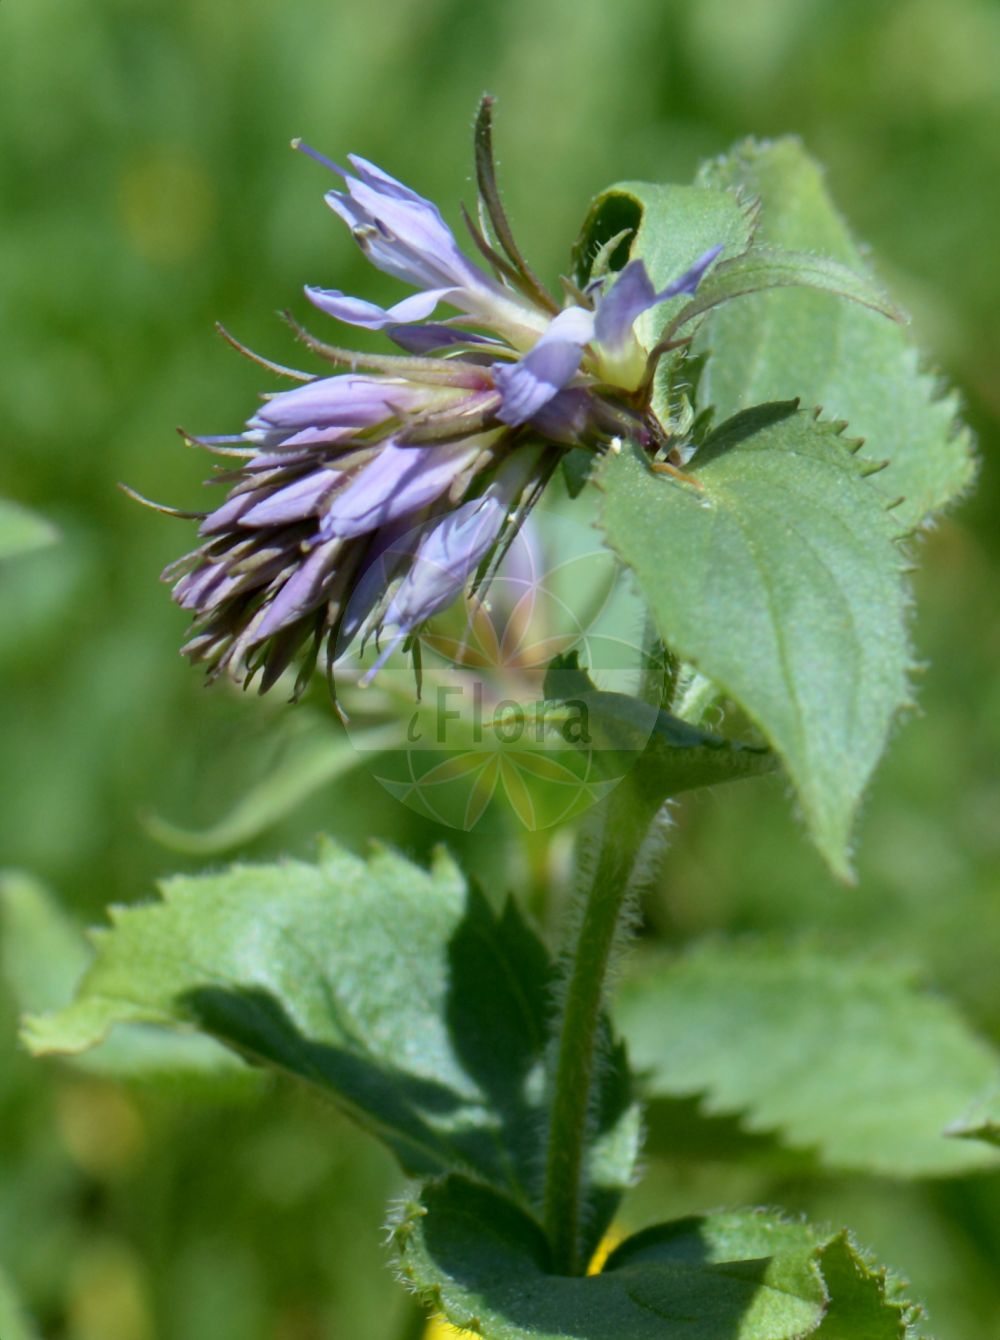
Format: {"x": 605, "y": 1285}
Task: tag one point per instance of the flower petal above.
{"x": 692, "y": 277}
{"x": 305, "y": 437}
{"x": 633, "y": 293}
{"x": 451, "y": 549}
{"x": 390, "y": 549}
{"x": 295, "y": 501}
{"x": 372, "y": 175}
{"x": 402, "y": 233}
{"x": 304, "y": 590}
{"x": 343, "y": 401}
{"x": 449, "y": 552}
{"x": 398, "y": 480}
{"x": 569, "y": 417}
{"x": 358, "y": 312}
{"x": 227, "y": 514}
{"x": 434, "y": 335}
{"x": 630, "y": 295}
{"x": 405, "y": 236}
{"x": 530, "y": 383}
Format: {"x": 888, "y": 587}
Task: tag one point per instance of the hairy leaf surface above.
{"x": 730, "y": 1276}
{"x": 44, "y": 954}
{"x": 851, "y": 361}
{"x": 777, "y": 575}
{"x": 396, "y": 990}
{"x": 848, "y": 1058}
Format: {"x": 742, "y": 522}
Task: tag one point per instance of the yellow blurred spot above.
{"x": 166, "y": 205}
{"x": 100, "y": 1127}
{"x": 609, "y": 1242}
{"x": 107, "y": 1295}
{"x": 439, "y": 1329}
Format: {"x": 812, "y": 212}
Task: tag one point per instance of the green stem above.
{"x": 626, "y": 814}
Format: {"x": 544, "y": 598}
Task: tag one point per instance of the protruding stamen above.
{"x": 310, "y": 152}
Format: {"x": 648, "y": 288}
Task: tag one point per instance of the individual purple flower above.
{"x": 450, "y": 550}
{"x": 363, "y": 502}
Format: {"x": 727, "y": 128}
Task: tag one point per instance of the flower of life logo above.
{"x": 505, "y": 699}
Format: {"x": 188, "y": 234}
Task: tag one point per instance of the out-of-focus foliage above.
{"x": 843, "y": 1057}
{"x": 13, "y": 1323}
{"x": 21, "y": 531}
{"x": 145, "y": 191}
{"x": 44, "y": 954}
{"x": 394, "y": 1022}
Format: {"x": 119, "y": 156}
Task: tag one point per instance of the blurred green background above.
{"x": 146, "y": 190}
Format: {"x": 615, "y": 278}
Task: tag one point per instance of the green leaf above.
{"x": 21, "y": 530}
{"x": 671, "y": 755}
{"x": 982, "y": 1120}
{"x": 668, "y": 227}
{"x": 866, "y": 1302}
{"x": 316, "y": 759}
{"x": 14, "y": 1324}
{"x": 778, "y": 578}
{"x": 844, "y": 1057}
{"x": 397, "y": 991}
{"x": 763, "y": 268}
{"x": 855, "y": 364}
{"x": 44, "y": 954}
{"x": 729, "y": 1276}
{"x": 680, "y": 757}
{"x": 681, "y": 1131}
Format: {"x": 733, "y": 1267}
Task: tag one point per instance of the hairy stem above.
{"x": 626, "y": 816}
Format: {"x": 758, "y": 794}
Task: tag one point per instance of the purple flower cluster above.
{"x": 365, "y": 501}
